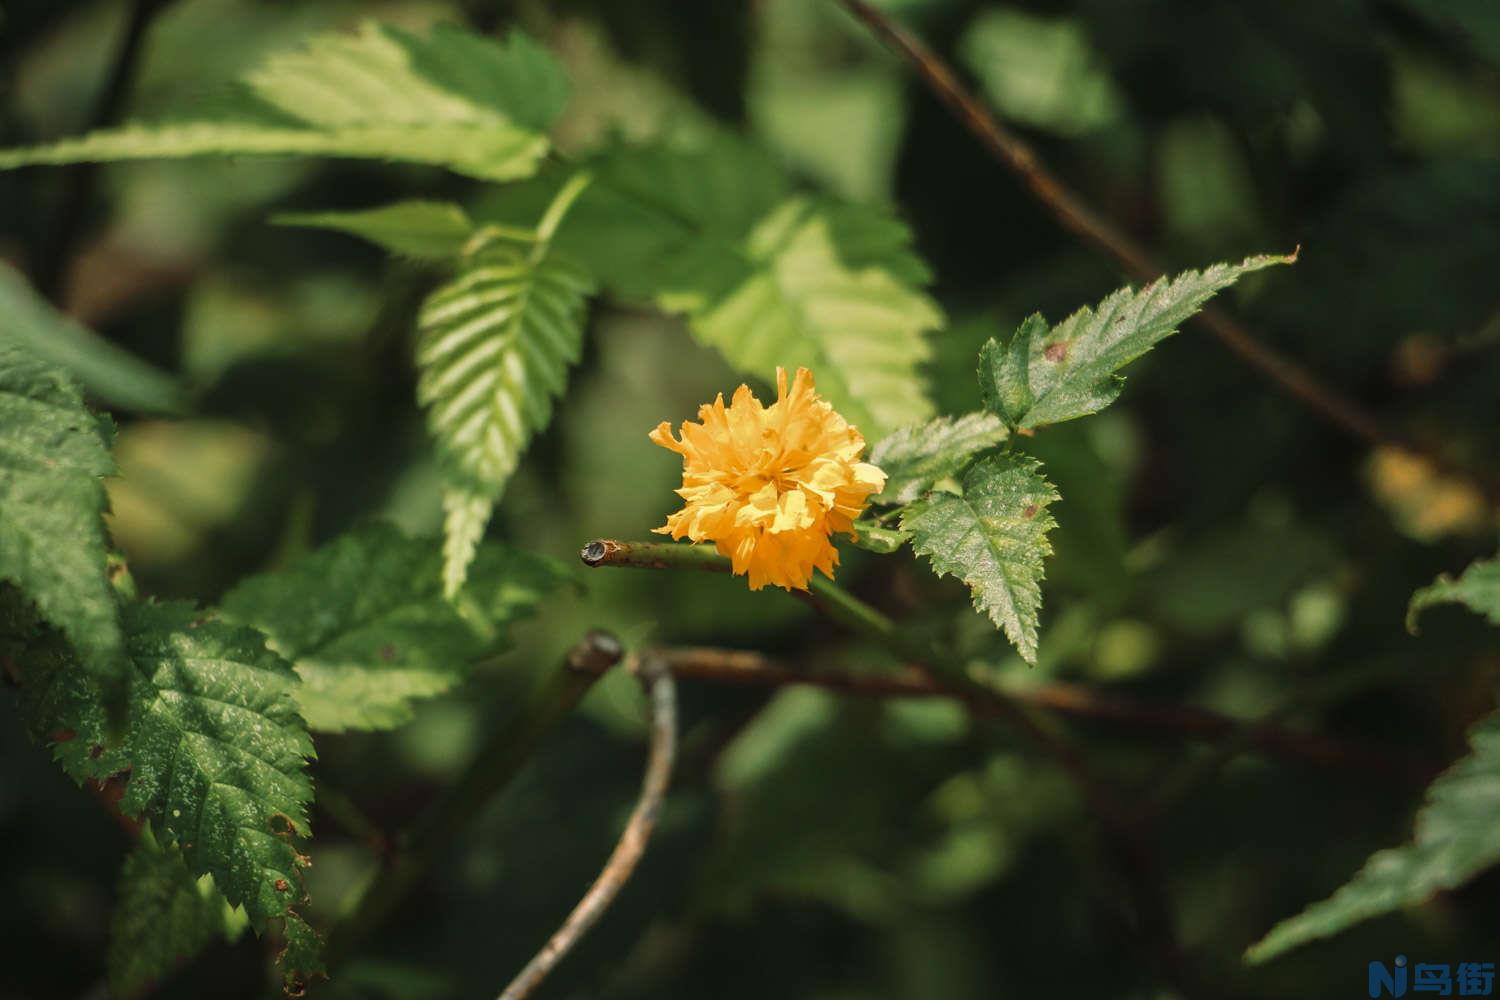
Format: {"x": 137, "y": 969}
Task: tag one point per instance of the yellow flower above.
{"x": 768, "y": 485}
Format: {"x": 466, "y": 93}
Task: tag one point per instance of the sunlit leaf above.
{"x": 446, "y": 98}
{"x": 424, "y": 230}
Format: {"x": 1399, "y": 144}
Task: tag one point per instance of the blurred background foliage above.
{"x": 1217, "y": 544}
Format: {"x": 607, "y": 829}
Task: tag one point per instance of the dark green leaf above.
{"x": 994, "y": 538}
{"x": 364, "y": 621}
{"x": 163, "y": 915}
{"x": 52, "y": 543}
{"x": 301, "y": 960}
{"x": 213, "y": 755}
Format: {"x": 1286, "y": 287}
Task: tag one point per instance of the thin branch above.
{"x": 489, "y": 772}
{"x": 915, "y": 681}
{"x": 661, "y": 690}
{"x": 82, "y": 177}
{"x": 824, "y": 595}
{"x": 745, "y": 667}
{"x": 1075, "y": 215}
{"x": 1127, "y": 845}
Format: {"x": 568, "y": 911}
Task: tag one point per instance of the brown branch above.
{"x": 743, "y": 667}
{"x": 489, "y": 772}
{"x": 657, "y": 678}
{"x": 1124, "y": 837}
{"x": 1075, "y": 215}
{"x": 1074, "y": 700}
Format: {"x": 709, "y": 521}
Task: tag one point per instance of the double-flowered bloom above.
{"x": 770, "y": 485}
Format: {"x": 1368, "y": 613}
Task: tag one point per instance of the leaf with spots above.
{"x": 53, "y": 458}
{"x": 994, "y": 538}
{"x": 213, "y": 754}
{"x": 365, "y": 623}
{"x": 1047, "y": 375}
{"x": 301, "y": 956}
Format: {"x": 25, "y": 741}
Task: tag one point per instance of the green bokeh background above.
{"x": 1216, "y": 545}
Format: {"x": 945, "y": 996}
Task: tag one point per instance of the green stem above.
{"x": 831, "y": 599}
{"x": 840, "y": 606}
{"x": 563, "y": 201}
{"x": 489, "y": 772}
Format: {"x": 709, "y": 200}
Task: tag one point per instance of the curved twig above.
{"x": 1130, "y": 848}
{"x": 1078, "y": 217}
{"x": 627, "y": 854}
{"x": 413, "y": 853}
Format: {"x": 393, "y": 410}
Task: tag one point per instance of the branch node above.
{"x": 595, "y": 653}
{"x": 662, "y": 693}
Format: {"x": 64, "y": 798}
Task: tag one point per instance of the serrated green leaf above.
{"x": 493, "y": 353}
{"x": 301, "y": 959}
{"x": 163, "y": 915}
{"x": 1047, "y": 376}
{"x": 1004, "y": 388}
{"x": 365, "y": 623}
{"x": 213, "y": 754}
{"x": 447, "y": 98}
{"x": 919, "y": 455}
{"x": 423, "y": 230}
{"x": 1478, "y": 589}
{"x": 994, "y": 538}
{"x": 112, "y": 375}
{"x": 714, "y": 232}
{"x": 52, "y": 543}
{"x": 1456, "y": 838}
{"x": 466, "y": 513}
